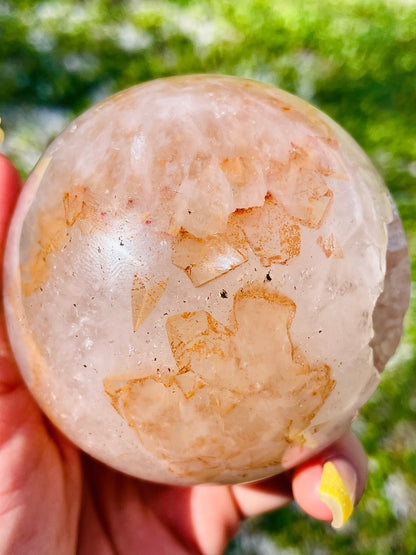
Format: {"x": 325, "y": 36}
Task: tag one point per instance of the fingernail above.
{"x": 337, "y": 490}
{"x": 1, "y": 134}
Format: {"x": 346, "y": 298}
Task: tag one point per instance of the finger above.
{"x": 265, "y": 495}
{"x": 10, "y": 185}
{"x": 330, "y": 485}
{"x": 319, "y": 494}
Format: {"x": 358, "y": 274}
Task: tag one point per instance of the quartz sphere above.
{"x": 203, "y": 278}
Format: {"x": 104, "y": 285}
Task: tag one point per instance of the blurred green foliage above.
{"x": 355, "y": 59}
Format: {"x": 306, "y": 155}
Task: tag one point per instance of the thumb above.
{"x": 10, "y": 185}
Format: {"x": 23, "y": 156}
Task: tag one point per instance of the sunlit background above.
{"x": 354, "y": 59}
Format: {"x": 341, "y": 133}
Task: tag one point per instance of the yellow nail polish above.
{"x": 334, "y": 493}
{"x": 1, "y": 134}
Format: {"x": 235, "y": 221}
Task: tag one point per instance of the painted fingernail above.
{"x": 338, "y": 492}
{"x": 1, "y": 134}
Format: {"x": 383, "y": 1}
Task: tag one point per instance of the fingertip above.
{"x": 10, "y": 182}
{"x": 305, "y": 486}
{"x": 329, "y": 486}
{"x": 10, "y": 185}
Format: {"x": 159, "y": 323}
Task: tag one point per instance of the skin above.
{"x": 55, "y": 499}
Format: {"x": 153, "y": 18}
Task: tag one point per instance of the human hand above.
{"x": 55, "y": 500}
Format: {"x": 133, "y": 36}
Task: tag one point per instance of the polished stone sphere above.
{"x": 204, "y": 277}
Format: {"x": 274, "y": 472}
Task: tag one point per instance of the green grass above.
{"x": 355, "y": 59}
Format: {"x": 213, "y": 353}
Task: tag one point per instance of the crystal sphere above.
{"x": 203, "y": 278}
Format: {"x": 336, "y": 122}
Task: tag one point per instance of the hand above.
{"x": 55, "y": 500}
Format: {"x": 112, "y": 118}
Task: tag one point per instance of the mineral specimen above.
{"x": 204, "y": 277}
